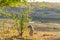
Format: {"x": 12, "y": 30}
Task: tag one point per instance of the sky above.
{"x": 45, "y": 0}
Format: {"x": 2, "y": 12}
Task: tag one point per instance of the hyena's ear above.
{"x": 29, "y": 26}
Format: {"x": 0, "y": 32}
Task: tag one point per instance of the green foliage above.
{"x": 11, "y": 2}
{"x": 19, "y": 20}
{"x": 14, "y": 27}
{"x": 42, "y": 4}
{"x": 6, "y": 31}
{"x": 5, "y": 14}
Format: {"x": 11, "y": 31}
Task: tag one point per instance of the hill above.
{"x": 43, "y": 11}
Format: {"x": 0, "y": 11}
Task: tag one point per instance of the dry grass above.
{"x": 37, "y": 35}
{"x": 46, "y": 35}
{"x": 10, "y": 33}
{"x": 40, "y": 35}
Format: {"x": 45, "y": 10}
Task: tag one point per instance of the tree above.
{"x": 12, "y": 2}
{"x": 19, "y": 20}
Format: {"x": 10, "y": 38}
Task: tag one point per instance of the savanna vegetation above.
{"x": 17, "y": 25}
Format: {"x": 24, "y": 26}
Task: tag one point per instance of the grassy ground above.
{"x": 38, "y": 35}
{"x": 47, "y": 31}
{"x": 51, "y": 34}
